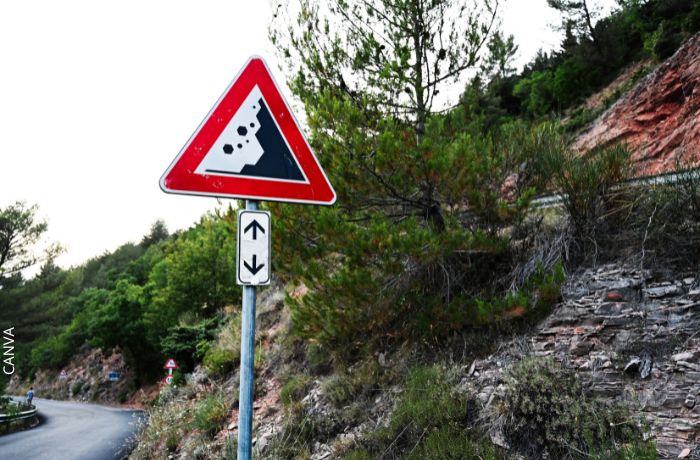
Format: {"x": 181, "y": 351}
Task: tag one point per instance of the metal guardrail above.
{"x": 6, "y": 418}
{"x": 660, "y": 179}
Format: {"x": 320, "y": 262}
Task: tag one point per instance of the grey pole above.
{"x": 245, "y": 400}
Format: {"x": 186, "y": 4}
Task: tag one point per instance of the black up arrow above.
{"x": 255, "y": 226}
{"x": 255, "y": 268}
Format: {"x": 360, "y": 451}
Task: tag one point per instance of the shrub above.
{"x": 338, "y": 389}
{"x": 371, "y": 275}
{"x": 358, "y": 454}
{"x": 211, "y": 414}
{"x": 428, "y": 400}
{"x": 294, "y": 389}
{"x": 547, "y": 410}
{"x": 76, "y": 387}
{"x": 221, "y": 357}
{"x": 299, "y": 432}
{"x": 220, "y": 361}
{"x": 343, "y": 387}
{"x": 666, "y": 218}
{"x": 666, "y": 41}
{"x": 430, "y": 420}
{"x": 183, "y": 341}
{"x": 587, "y": 184}
{"x": 449, "y": 443}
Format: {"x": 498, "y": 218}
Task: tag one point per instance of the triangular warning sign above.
{"x": 170, "y": 364}
{"x": 250, "y": 146}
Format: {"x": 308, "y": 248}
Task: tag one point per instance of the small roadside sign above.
{"x": 170, "y": 364}
{"x": 168, "y": 379}
{"x": 114, "y": 376}
{"x": 253, "y": 266}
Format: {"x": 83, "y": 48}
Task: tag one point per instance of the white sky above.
{"x": 98, "y": 97}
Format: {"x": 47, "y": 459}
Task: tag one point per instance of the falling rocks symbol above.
{"x": 277, "y": 162}
{"x": 252, "y": 146}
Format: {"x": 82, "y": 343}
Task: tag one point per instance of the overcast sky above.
{"x": 98, "y": 97}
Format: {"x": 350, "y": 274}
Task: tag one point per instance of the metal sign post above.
{"x": 245, "y": 400}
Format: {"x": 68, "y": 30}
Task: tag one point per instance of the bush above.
{"x": 299, "y": 433}
{"x": 76, "y": 387}
{"x": 211, "y": 414}
{"x": 338, "y": 389}
{"x": 430, "y": 420}
{"x": 184, "y": 341}
{"x": 547, "y": 410}
{"x": 587, "y": 184}
{"x": 220, "y": 361}
{"x": 353, "y": 384}
{"x": 294, "y": 389}
{"x": 225, "y": 354}
{"x": 666, "y": 219}
{"x": 371, "y": 275}
{"x": 449, "y": 443}
{"x": 428, "y": 400}
{"x": 666, "y": 40}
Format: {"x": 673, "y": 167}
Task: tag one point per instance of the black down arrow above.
{"x": 255, "y": 268}
{"x": 255, "y": 226}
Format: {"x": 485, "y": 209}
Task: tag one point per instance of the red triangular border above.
{"x": 180, "y": 177}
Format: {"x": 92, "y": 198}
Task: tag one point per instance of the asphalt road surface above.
{"x": 72, "y": 431}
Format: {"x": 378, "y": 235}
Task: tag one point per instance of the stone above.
{"x": 632, "y": 367}
{"x": 685, "y": 356}
{"x": 581, "y": 348}
{"x": 689, "y": 401}
{"x": 688, "y": 365}
{"x": 472, "y": 368}
{"x": 646, "y": 365}
{"x": 661, "y": 291}
{"x": 684, "y": 453}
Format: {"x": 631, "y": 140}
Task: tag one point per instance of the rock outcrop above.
{"x": 85, "y": 378}
{"x": 658, "y": 118}
{"x": 631, "y": 335}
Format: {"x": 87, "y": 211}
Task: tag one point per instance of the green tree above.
{"x": 195, "y": 278}
{"x": 421, "y": 193}
{"x": 502, "y": 51}
{"x": 582, "y": 14}
{"x": 158, "y": 232}
{"x": 20, "y": 229}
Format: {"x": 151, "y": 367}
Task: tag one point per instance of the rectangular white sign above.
{"x": 253, "y": 267}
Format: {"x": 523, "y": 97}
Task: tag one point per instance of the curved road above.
{"x": 72, "y": 431}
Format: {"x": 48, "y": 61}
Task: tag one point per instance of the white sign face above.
{"x": 237, "y": 146}
{"x": 253, "y": 267}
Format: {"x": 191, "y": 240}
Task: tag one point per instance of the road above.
{"x": 72, "y": 431}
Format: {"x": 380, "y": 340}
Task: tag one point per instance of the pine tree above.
{"x": 423, "y": 195}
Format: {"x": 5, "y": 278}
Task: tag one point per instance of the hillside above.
{"x": 434, "y": 312}
{"x": 657, "y": 118}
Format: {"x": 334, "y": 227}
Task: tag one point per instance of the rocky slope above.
{"x": 658, "y": 118}
{"x": 86, "y": 378}
{"x": 632, "y": 335}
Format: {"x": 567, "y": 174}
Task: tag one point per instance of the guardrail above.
{"x": 660, "y": 179}
{"x": 7, "y": 418}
